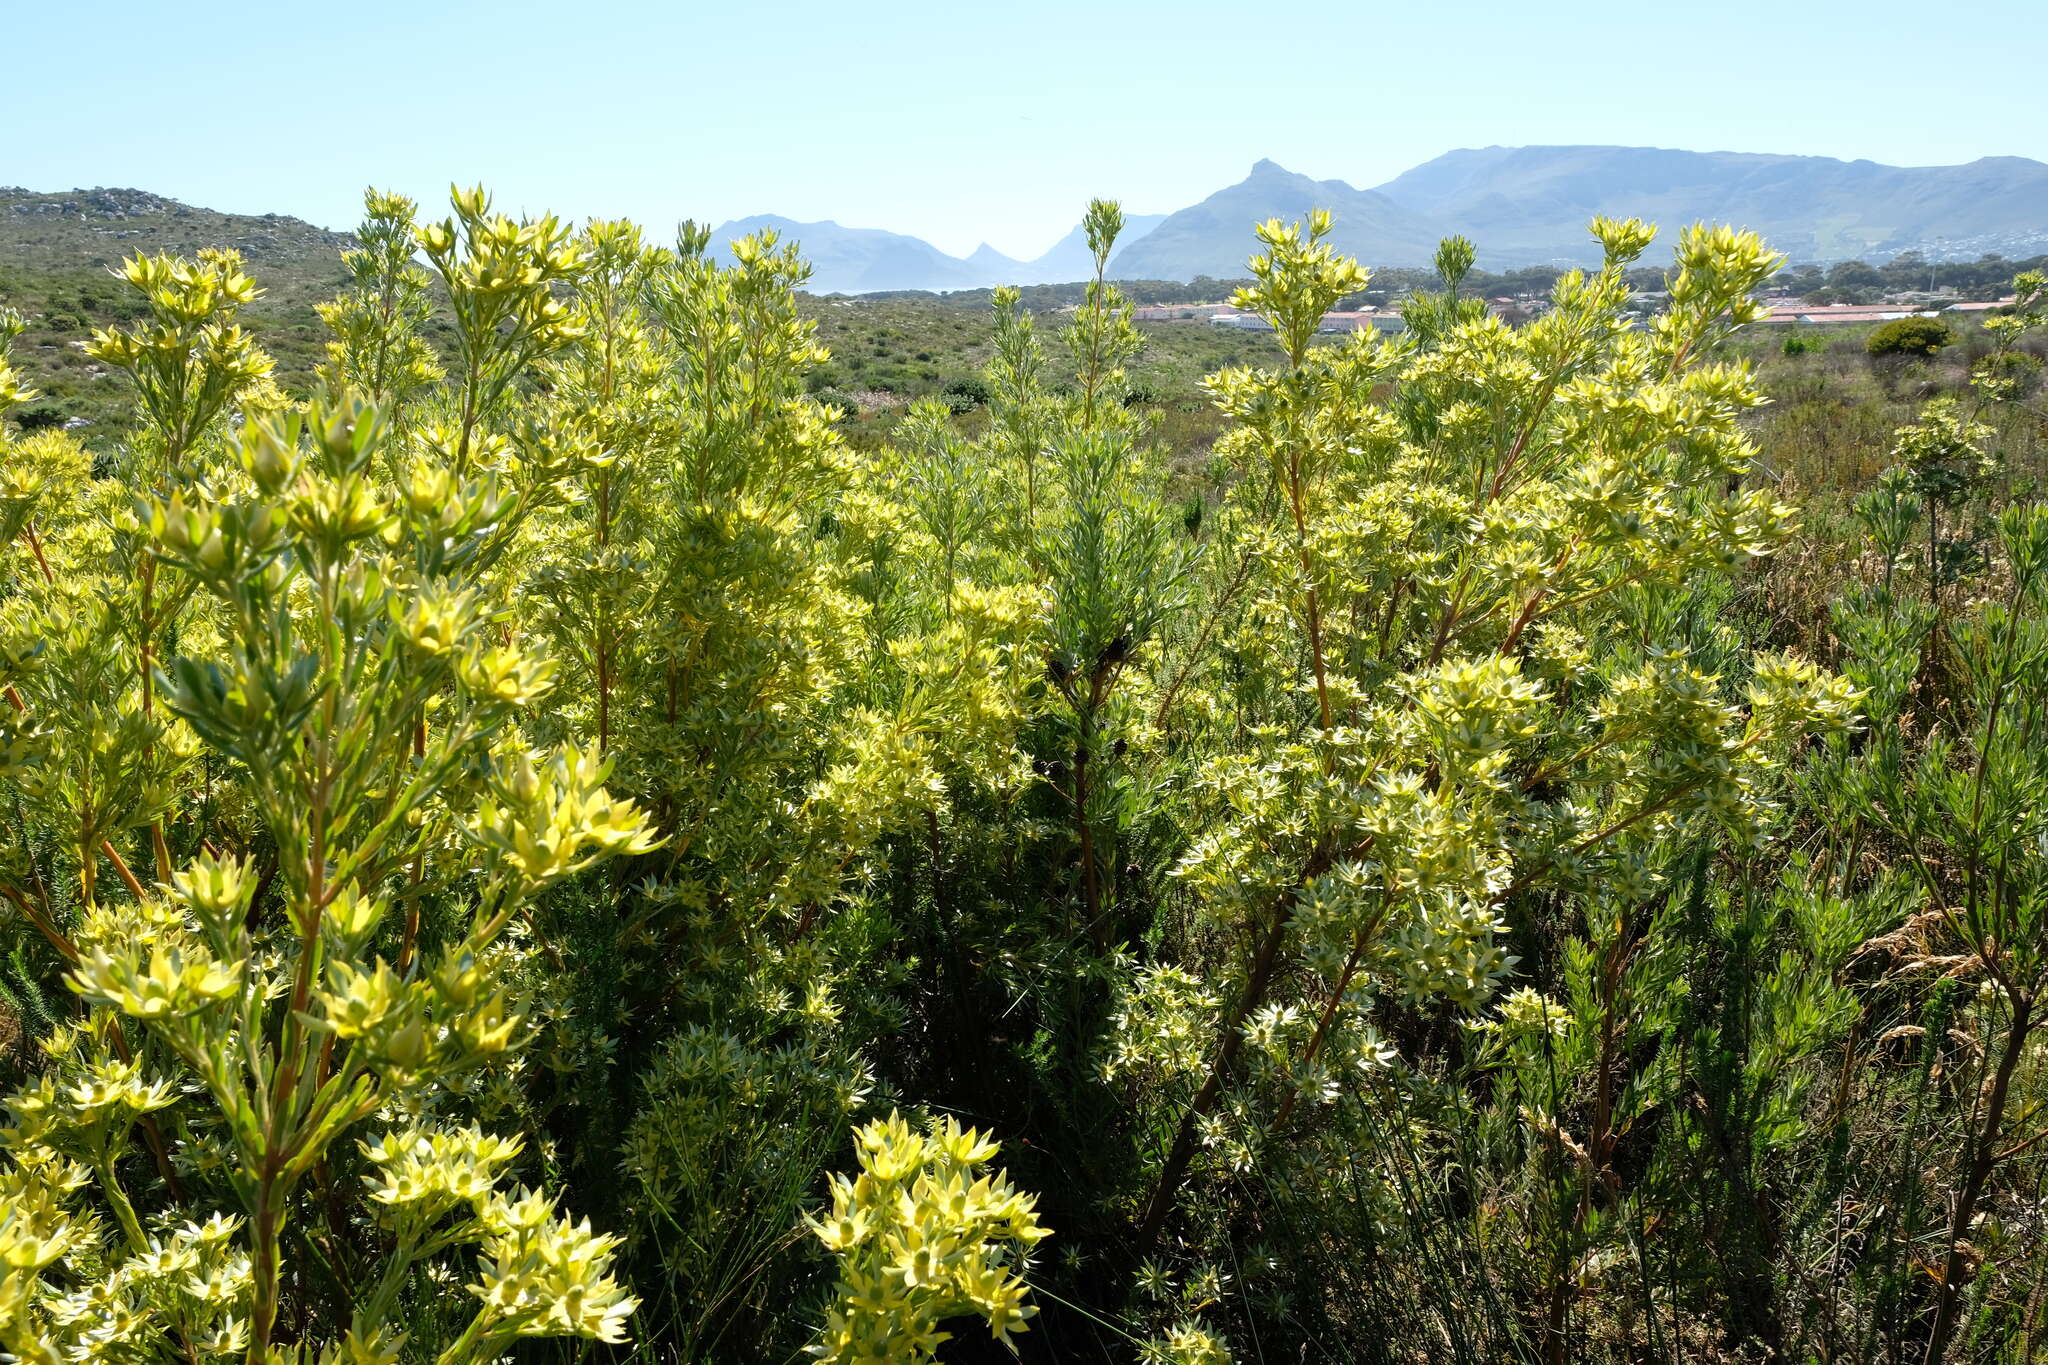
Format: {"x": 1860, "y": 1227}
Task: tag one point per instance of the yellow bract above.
{"x": 923, "y": 1234}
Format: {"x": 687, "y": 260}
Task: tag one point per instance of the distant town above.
{"x": 1786, "y": 310}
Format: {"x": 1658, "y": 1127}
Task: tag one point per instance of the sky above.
{"x": 959, "y": 122}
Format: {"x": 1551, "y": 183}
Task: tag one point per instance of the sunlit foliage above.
{"x": 548, "y": 840}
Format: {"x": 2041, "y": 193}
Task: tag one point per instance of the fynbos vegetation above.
{"x": 541, "y": 847}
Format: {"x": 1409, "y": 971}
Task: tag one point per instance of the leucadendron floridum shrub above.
{"x": 545, "y": 846}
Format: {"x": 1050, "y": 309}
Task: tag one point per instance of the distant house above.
{"x": 1179, "y": 312}
{"x": 1839, "y": 313}
{"x": 2008, "y": 301}
{"x": 1332, "y": 322}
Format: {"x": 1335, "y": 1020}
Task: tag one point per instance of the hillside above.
{"x": 1525, "y": 205}
{"x": 57, "y": 252}
{"x": 1213, "y": 237}
{"x": 95, "y": 229}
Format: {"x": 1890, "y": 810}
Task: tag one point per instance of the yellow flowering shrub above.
{"x": 923, "y": 1234}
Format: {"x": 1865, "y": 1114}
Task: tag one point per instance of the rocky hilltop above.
{"x": 94, "y": 229}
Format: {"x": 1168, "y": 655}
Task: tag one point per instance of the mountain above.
{"x": 859, "y": 260}
{"x": 1531, "y": 204}
{"x": 1521, "y": 205}
{"x": 992, "y": 265}
{"x": 1070, "y": 259}
{"x": 869, "y": 260}
{"x": 1214, "y": 237}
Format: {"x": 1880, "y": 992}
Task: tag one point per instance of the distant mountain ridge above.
{"x": 1531, "y": 204}
{"x": 1215, "y": 236}
{"x": 1520, "y": 205}
{"x": 1070, "y": 260}
{"x": 858, "y": 260}
{"x": 870, "y": 260}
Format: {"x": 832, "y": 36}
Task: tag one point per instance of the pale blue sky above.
{"x": 960, "y": 122}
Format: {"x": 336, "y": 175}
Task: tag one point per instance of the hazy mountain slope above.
{"x": 871, "y": 260}
{"x": 993, "y": 267}
{"x": 1069, "y": 259}
{"x": 858, "y": 260}
{"x": 1214, "y": 237}
{"x": 1533, "y": 202}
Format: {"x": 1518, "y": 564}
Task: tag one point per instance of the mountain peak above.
{"x": 1215, "y": 236}
{"x": 987, "y": 256}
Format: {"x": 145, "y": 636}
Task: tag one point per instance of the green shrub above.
{"x": 41, "y": 417}
{"x": 966, "y": 393}
{"x": 1914, "y": 336}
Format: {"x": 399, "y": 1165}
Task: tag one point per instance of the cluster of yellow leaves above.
{"x": 923, "y": 1234}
